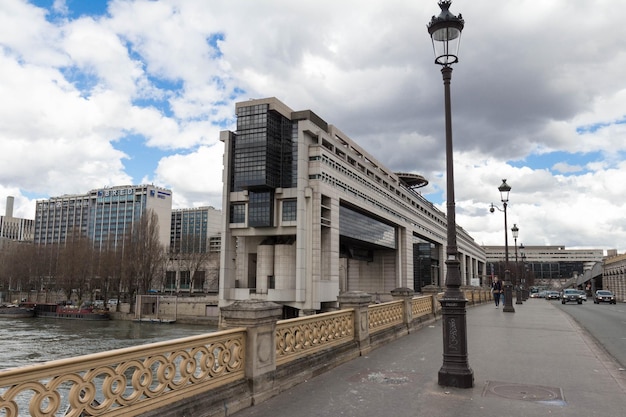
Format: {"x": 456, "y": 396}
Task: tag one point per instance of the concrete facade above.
{"x": 309, "y": 214}
{"x": 614, "y": 276}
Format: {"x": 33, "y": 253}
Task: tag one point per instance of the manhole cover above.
{"x": 523, "y": 392}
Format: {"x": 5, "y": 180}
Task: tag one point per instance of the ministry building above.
{"x": 309, "y": 214}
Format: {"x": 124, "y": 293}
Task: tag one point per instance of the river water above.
{"x": 35, "y": 340}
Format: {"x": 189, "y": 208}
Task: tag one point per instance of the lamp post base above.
{"x": 455, "y": 371}
{"x": 508, "y": 293}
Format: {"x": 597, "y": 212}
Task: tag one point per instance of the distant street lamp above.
{"x": 445, "y": 32}
{"x": 504, "y": 189}
{"x": 518, "y": 289}
{"x": 524, "y": 286}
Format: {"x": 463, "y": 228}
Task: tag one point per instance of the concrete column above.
{"x": 405, "y": 294}
{"x": 264, "y": 267}
{"x": 259, "y": 318}
{"x": 359, "y": 301}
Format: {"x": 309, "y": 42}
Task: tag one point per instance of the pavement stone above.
{"x": 535, "y": 362}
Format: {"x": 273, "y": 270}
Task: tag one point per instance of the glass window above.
{"x": 289, "y": 210}
{"x": 367, "y": 229}
{"x": 238, "y": 213}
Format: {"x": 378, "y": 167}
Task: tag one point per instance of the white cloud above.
{"x": 532, "y": 79}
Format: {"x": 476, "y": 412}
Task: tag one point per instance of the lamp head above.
{"x": 504, "y": 189}
{"x": 445, "y": 33}
{"x": 515, "y": 231}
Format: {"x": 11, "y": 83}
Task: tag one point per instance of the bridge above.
{"x": 254, "y": 358}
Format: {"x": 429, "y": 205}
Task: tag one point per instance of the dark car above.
{"x": 604, "y": 296}
{"x": 571, "y": 295}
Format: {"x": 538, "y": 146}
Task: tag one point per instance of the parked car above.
{"x": 571, "y": 295}
{"x": 112, "y": 301}
{"x": 604, "y": 296}
{"x": 552, "y": 295}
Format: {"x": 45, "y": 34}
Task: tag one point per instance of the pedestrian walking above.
{"x": 496, "y": 290}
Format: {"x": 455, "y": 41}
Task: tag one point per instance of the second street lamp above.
{"x": 504, "y": 189}
{"x": 445, "y": 32}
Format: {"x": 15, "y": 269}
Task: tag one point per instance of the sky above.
{"x": 102, "y": 93}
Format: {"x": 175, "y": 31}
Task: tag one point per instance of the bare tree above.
{"x": 144, "y": 256}
{"x": 191, "y": 259}
{"x": 75, "y": 265}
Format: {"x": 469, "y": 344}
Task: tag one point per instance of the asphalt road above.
{"x": 605, "y": 322}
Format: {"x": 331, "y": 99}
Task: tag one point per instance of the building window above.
{"x": 185, "y": 280}
{"x": 261, "y": 209}
{"x": 170, "y": 280}
{"x": 289, "y": 210}
{"x": 238, "y": 213}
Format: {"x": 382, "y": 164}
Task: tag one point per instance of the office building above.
{"x": 309, "y": 214}
{"x": 102, "y": 214}
{"x": 193, "y": 264}
{"x": 196, "y": 230}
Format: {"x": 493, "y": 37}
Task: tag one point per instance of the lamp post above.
{"x": 445, "y": 32}
{"x": 524, "y": 287}
{"x": 516, "y": 282}
{"x": 504, "y": 189}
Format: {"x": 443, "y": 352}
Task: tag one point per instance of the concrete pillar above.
{"x": 405, "y": 294}
{"x": 264, "y": 268}
{"x": 259, "y": 318}
{"x": 359, "y": 301}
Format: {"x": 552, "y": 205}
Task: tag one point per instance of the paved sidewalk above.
{"x": 538, "y": 353}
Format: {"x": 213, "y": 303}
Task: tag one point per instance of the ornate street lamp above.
{"x": 504, "y": 189}
{"x": 518, "y": 289}
{"x": 445, "y": 32}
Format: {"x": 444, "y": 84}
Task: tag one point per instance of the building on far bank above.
{"x": 14, "y": 229}
{"x": 102, "y": 214}
{"x": 195, "y": 242}
{"x": 309, "y": 214}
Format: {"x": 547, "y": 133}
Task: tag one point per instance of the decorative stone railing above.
{"x": 421, "y": 306}
{"x": 124, "y": 382}
{"x": 382, "y": 316}
{"x": 303, "y": 336}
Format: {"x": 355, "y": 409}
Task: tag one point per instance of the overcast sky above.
{"x": 102, "y": 93}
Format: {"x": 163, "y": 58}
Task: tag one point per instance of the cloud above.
{"x": 536, "y": 99}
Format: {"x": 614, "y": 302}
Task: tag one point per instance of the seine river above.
{"x": 35, "y": 340}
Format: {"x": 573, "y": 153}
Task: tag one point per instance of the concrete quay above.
{"x": 534, "y": 362}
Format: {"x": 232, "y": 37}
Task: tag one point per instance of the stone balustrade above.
{"x": 255, "y": 357}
